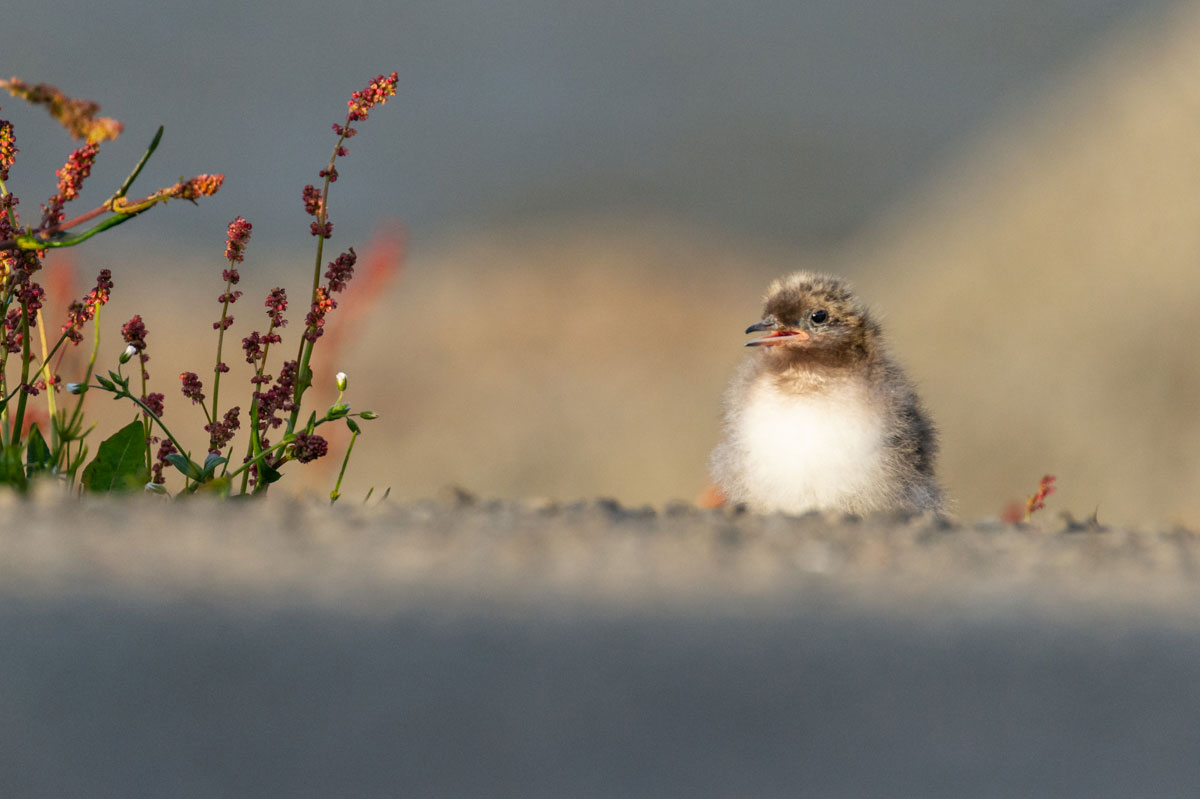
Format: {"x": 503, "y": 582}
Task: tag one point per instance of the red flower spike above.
{"x": 8, "y": 148}
{"x": 236, "y": 240}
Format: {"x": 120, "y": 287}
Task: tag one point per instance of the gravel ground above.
{"x": 530, "y": 649}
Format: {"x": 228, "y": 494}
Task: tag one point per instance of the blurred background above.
{"x": 570, "y": 211}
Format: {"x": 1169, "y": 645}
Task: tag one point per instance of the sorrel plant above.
{"x": 277, "y": 431}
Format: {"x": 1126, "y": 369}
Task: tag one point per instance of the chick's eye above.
{"x": 819, "y": 317}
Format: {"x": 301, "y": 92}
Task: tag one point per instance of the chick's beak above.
{"x": 778, "y": 334}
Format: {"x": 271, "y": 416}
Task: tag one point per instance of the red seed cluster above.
{"x": 313, "y": 204}
{"x": 160, "y": 460}
{"x": 134, "y": 332}
{"x": 76, "y": 170}
{"x": 99, "y": 295}
{"x": 359, "y": 105}
{"x": 341, "y": 270}
{"x": 70, "y": 181}
{"x": 77, "y": 116}
{"x": 252, "y": 345}
{"x": 154, "y": 401}
{"x": 222, "y": 432}
{"x": 192, "y": 388}
{"x": 277, "y": 399}
{"x": 314, "y": 323}
{"x": 82, "y": 311}
{"x": 308, "y": 447}
{"x": 236, "y": 240}
{"x": 376, "y": 93}
{"x": 8, "y": 148}
{"x": 12, "y": 331}
{"x": 277, "y": 303}
{"x": 199, "y": 186}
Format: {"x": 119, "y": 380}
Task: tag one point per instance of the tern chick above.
{"x": 820, "y": 417}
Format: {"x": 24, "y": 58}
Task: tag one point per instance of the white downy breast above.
{"x": 822, "y": 450}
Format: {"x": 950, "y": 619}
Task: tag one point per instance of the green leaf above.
{"x": 106, "y": 383}
{"x": 267, "y": 474}
{"x": 12, "y": 471}
{"x": 120, "y": 463}
{"x": 304, "y": 380}
{"x": 37, "y": 454}
{"x": 211, "y": 463}
{"x": 353, "y": 425}
{"x": 80, "y": 457}
{"x": 218, "y": 486}
{"x": 183, "y": 464}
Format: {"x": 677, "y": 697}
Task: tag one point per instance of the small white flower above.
{"x": 341, "y": 381}
{"x": 75, "y": 388}
{"x": 129, "y": 352}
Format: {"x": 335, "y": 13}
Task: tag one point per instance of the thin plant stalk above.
{"x": 77, "y": 412}
{"x": 121, "y": 209}
{"x": 146, "y": 408}
{"x": 8, "y": 396}
{"x": 220, "y": 344}
{"x": 4, "y": 356}
{"x": 147, "y": 425}
{"x": 254, "y": 446}
{"x": 337, "y": 488}
{"x": 304, "y": 353}
{"x": 26, "y": 357}
{"x": 48, "y": 378}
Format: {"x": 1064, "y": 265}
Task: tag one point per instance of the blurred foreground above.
{"x": 536, "y": 650}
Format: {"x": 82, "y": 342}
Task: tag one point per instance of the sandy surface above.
{"x": 540, "y": 649}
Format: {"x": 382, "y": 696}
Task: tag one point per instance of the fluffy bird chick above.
{"x": 820, "y": 417}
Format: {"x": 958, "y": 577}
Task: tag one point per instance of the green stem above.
{"x": 255, "y": 446}
{"x": 275, "y": 447}
{"x": 137, "y": 170}
{"x": 302, "y": 381}
{"x": 126, "y": 395}
{"x": 48, "y": 378}
{"x": 33, "y": 242}
{"x": 147, "y": 425}
{"x": 304, "y": 353}
{"x": 217, "y": 367}
{"x": 3, "y": 361}
{"x": 4, "y": 351}
{"x": 4, "y": 390}
{"x": 262, "y": 454}
{"x": 77, "y": 412}
{"x": 19, "y": 421}
{"x": 56, "y": 237}
{"x": 30, "y": 241}
{"x": 337, "y": 488}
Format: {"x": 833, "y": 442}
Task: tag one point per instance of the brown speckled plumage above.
{"x": 820, "y": 417}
